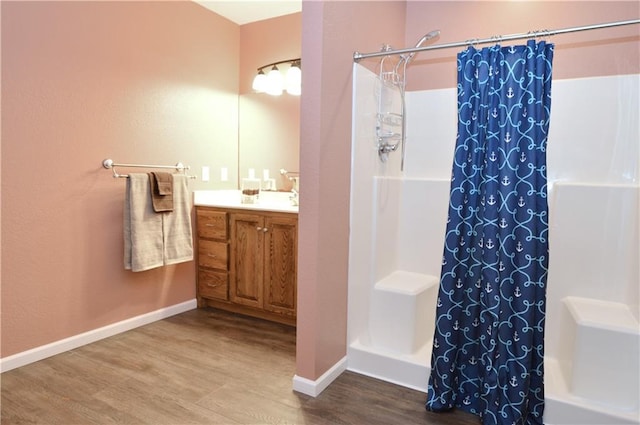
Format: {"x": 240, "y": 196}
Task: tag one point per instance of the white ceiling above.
{"x": 246, "y": 11}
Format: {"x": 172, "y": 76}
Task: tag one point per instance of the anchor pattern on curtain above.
{"x": 488, "y": 344}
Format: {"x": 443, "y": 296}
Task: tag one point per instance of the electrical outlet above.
{"x": 205, "y": 174}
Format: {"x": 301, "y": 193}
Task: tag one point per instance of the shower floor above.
{"x": 412, "y": 371}
{"x": 407, "y": 370}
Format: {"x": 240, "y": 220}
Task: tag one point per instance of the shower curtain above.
{"x": 488, "y": 344}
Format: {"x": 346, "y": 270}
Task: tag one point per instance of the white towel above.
{"x": 143, "y": 240}
{"x": 176, "y": 226}
{"x": 154, "y": 239}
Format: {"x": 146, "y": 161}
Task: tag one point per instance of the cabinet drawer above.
{"x": 212, "y": 224}
{"x": 213, "y": 284}
{"x": 212, "y": 254}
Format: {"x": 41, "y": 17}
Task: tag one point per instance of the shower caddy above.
{"x": 390, "y": 115}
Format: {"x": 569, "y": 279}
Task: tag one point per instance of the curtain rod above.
{"x": 542, "y": 33}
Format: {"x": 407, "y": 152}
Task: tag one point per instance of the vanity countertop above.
{"x": 268, "y": 201}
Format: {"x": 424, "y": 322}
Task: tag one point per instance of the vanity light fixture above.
{"x": 275, "y": 82}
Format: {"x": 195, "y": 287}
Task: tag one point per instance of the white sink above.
{"x": 267, "y": 200}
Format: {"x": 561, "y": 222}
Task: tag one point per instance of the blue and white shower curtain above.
{"x": 488, "y": 345}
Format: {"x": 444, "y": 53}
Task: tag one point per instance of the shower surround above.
{"x": 398, "y": 219}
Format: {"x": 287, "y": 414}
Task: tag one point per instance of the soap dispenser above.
{"x": 250, "y": 188}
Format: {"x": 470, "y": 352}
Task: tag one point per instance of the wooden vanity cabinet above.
{"x": 262, "y": 264}
{"x": 281, "y": 259}
{"x": 213, "y": 255}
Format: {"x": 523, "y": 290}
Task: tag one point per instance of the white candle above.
{"x": 252, "y": 173}
{"x": 265, "y": 174}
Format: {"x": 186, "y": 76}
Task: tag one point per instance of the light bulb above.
{"x": 294, "y": 79}
{"x": 260, "y": 82}
{"x": 275, "y": 82}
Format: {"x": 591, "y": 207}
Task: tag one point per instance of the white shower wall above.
{"x": 398, "y": 225}
{"x": 593, "y": 162}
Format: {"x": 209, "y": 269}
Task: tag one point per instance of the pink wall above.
{"x": 332, "y": 31}
{"x": 140, "y": 82}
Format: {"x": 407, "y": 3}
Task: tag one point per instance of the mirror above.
{"x": 268, "y": 136}
{"x": 268, "y": 126}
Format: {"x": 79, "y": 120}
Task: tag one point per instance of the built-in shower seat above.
{"x": 402, "y": 308}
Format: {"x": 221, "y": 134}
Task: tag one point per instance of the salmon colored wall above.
{"x": 1, "y": 315}
{"x": 583, "y": 54}
{"x": 269, "y": 132}
{"x": 332, "y": 31}
{"x": 140, "y": 82}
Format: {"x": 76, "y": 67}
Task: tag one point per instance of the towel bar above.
{"x": 108, "y": 163}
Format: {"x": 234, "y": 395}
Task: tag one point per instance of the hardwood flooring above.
{"x": 201, "y": 367}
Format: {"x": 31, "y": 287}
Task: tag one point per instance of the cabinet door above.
{"x": 246, "y": 272}
{"x": 280, "y": 271}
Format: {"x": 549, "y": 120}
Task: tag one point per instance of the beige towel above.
{"x": 154, "y": 239}
{"x": 161, "y": 191}
{"x": 143, "y": 238}
{"x": 176, "y": 226}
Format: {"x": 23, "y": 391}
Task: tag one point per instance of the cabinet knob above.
{"x": 211, "y": 255}
{"x": 264, "y": 229}
{"x": 258, "y": 228}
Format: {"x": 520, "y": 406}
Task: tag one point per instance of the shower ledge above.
{"x": 597, "y": 366}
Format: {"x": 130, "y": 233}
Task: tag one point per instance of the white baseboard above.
{"x": 314, "y": 388}
{"x": 57, "y": 347}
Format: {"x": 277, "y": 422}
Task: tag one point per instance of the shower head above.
{"x": 427, "y": 36}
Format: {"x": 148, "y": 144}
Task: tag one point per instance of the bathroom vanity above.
{"x": 247, "y": 254}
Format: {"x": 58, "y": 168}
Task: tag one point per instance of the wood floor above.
{"x": 200, "y": 367}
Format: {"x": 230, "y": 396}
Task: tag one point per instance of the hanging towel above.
{"x": 176, "y": 226}
{"x": 161, "y": 191}
{"x": 143, "y": 235}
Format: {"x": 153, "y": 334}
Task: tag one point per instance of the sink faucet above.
{"x": 295, "y": 199}
{"x": 294, "y": 178}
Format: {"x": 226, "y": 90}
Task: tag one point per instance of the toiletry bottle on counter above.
{"x": 250, "y": 190}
